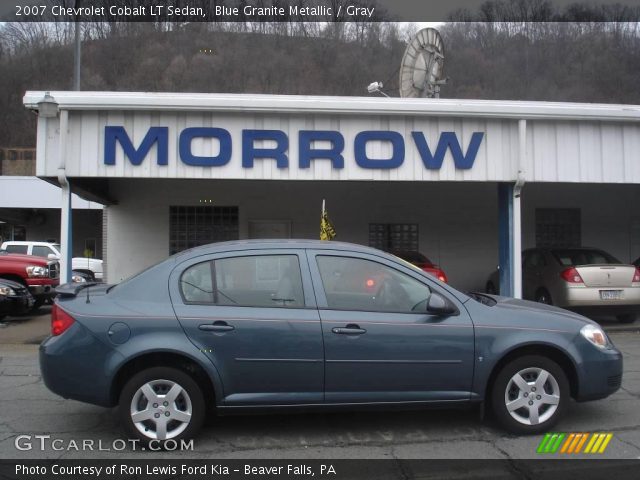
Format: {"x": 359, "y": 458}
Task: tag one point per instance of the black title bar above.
{"x": 181, "y": 11}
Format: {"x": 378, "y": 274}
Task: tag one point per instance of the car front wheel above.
{"x": 161, "y": 404}
{"x": 530, "y": 395}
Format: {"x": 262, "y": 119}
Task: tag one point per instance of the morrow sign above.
{"x": 307, "y": 151}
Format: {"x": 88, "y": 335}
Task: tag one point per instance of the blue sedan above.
{"x": 254, "y": 325}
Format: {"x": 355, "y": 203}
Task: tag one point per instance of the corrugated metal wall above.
{"x": 557, "y": 151}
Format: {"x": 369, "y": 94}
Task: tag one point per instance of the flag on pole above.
{"x": 327, "y": 232}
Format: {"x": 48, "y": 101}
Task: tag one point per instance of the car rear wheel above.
{"x": 543, "y": 296}
{"x": 530, "y": 395}
{"x": 161, "y": 404}
{"x": 627, "y": 318}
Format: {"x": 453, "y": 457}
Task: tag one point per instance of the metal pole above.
{"x": 517, "y": 221}
{"x": 76, "y": 52}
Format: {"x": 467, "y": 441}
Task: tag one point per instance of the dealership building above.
{"x": 468, "y": 183}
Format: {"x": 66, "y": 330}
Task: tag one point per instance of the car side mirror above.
{"x": 52, "y": 256}
{"x": 439, "y": 305}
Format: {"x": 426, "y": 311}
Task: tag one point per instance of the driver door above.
{"x": 380, "y": 344}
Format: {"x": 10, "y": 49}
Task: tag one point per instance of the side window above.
{"x": 196, "y": 285}
{"x": 17, "y": 248}
{"x": 259, "y": 281}
{"x": 41, "y": 251}
{"x": 359, "y": 284}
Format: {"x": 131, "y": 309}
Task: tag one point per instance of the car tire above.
{"x": 627, "y": 318}
{"x": 156, "y": 384}
{"x": 543, "y": 296}
{"x": 491, "y": 289}
{"x": 519, "y": 404}
{"x": 37, "y": 304}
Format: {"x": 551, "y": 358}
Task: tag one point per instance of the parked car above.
{"x": 52, "y": 251}
{"x": 422, "y": 262}
{"x": 15, "y": 298}
{"x": 39, "y": 275}
{"x": 251, "y": 325}
{"x": 586, "y": 280}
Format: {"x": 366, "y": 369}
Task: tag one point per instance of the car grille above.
{"x": 614, "y": 380}
{"x": 54, "y": 270}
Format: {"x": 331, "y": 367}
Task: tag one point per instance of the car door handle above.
{"x": 350, "y": 329}
{"x": 216, "y": 327}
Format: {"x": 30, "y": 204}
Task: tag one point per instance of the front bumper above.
{"x": 16, "y": 305}
{"x": 600, "y": 373}
{"x": 43, "y": 292}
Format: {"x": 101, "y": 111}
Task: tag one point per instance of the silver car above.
{"x": 586, "y": 280}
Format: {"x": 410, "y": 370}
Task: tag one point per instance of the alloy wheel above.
{"x": 161, "y": 409}
{"x": 532, "y": 396}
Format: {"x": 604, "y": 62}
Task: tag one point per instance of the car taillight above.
{"x": 441, "y": 276}
{"x": 60, "y": 320}
{"x": 636, "y": 276}
{"x": 571, "y": 275}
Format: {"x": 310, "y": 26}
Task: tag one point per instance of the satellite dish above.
{"x": 423, "y": 65}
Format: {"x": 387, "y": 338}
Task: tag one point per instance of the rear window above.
{"x": 570, "y": 257}
{"x": 16, "y": 248}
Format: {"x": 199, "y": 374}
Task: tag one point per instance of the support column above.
{"x": 506, "y": 238}
{"x": 66, "y": 239}
{"x": 66, "y": 212}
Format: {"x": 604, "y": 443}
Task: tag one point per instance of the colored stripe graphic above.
{"x": 572, "y": 443}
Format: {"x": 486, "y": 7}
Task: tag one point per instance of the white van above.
{"x": 91, "y": 266}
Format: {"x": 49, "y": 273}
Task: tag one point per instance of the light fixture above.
{"x": 47, "y": 107}
{"x": 376, "y": 87}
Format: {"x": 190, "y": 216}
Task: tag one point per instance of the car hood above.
{"x": 11, "y": 283}
{"x": 540, "y": 312}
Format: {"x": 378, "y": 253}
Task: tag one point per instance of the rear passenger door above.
{"x": 253, "y": 314}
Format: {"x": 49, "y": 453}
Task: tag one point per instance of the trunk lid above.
{"x": 606, "y": 275}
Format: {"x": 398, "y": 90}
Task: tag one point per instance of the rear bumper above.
{"x": 580, "y": 297}
{"x": 70, "y": 367}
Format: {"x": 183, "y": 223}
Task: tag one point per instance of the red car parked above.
{"x": 422, "y": 262}
{"x": 39, "y": 275}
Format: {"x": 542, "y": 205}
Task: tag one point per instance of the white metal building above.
{"x": 469, "y": 183}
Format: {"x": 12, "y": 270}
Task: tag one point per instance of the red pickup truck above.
{"x": 39, "y": 275}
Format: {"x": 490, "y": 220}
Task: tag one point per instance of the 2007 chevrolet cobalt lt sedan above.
{"x": 255, "y": 325}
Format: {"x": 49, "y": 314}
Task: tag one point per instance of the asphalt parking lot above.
{"x": 28, "y": 408}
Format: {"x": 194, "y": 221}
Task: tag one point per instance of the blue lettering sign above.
{"x": 223, "y": 136}
{"x": 159, "y": 135}
{"x": 360, "y": 149}
{"x": 448, "y": 140}
{"x": 250, "y": 153}
{"x": 306, "y": 153}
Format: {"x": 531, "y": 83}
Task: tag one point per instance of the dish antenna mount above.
{"x": 422, "y": 67}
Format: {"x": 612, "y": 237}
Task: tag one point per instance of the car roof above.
{"x": 27, "y": 242}
{"x": 279, "y": 243}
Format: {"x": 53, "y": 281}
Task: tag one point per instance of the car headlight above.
{"x": 37, "y": 271}
{"x": 78, "y": 279}
{"x": 595, "y": 335}
{"x": 7, "y": 291}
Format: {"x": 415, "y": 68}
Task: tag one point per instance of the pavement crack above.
{"x": 402, "y": 471}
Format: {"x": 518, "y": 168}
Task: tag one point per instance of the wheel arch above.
{"x": 553, "y": 352}
{"x": 166, "y": 358}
